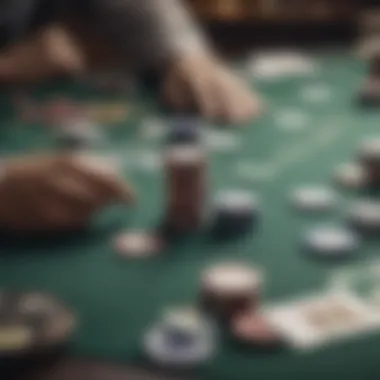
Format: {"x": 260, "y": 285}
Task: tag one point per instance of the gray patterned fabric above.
{"x": 147, "y": 33}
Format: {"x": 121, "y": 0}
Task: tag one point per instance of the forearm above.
{"x": 148, "y": 33}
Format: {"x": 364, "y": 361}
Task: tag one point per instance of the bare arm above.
{"x": 150, "y": 32}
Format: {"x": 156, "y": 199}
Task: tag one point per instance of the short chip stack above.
{"x": 186, "y": 178}
{"x": 229, "y": 289}
{"x": 235, "y": 213}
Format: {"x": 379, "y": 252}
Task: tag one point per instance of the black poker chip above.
{"x": 32, "y": 322}
{"x": 184, "y": 131}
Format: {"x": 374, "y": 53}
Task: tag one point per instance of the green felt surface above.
{"x": 116, "y": 300}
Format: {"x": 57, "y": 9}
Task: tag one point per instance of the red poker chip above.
{"x": 138, "y": 245}
{"x": 253, "y": 328}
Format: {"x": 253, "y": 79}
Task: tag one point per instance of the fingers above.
{"x": 101, "y": 176}
{"x": 216, "y": 92}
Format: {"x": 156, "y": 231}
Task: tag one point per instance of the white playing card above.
{"x": 314, "y": 321}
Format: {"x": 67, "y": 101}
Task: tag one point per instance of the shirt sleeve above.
{"x": 149, "y": 33}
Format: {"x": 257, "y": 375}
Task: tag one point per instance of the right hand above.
{"x": 57, "y": 193}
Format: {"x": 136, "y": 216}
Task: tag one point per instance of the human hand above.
{"x": 202, "y": 81}
{"x": 57, "y": 193}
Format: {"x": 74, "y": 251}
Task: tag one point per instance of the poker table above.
{"x": 311, "y": 124}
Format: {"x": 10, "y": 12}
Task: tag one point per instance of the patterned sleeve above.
{"x": 148, "y": 32}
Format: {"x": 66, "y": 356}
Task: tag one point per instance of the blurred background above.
{"x": 243, "y": 23}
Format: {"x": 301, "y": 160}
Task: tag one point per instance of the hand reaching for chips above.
{"x": 201, "y": 81}
{"x": 57, "y": 193}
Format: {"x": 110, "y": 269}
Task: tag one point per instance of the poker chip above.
{"x": 365, "y": 215}
{"x": 77, "y": 134}
{"x": 138, "y": 245}
{"x": 33, "y": 321}
{"x": 235, "y": 213}
{"x": 313, "y": 198}
{"x": 332, "y": 241}
{"x": 187, "y": 318}
{"x": 370, "y": 150}
{"x": 351, "y": 176}
{"x": 369, "y": 95}
{"x": 254, "y": 329}
{"x": 163, "y": 351}
{"x": 184, "y": 130}
{"x": 186, "y": 324}
{"x": 230, "y": 288}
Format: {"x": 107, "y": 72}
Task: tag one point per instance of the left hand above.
{"x": 201, "y": 81}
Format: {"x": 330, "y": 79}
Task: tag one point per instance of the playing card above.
{"x": 317, "y": 320}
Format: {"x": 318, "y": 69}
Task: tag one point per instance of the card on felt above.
{"x": 317, "y": 320}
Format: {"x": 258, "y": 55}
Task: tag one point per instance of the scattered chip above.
{"x": 351, "y": 176}
{"x": 138, "y": 245}
{"x": 370, "y": 150}
{"x": 365, "y": 215}
{"x": 252, "y": 328}
{"x": 33, "y": 321}
{"x": 313, "y": 198}
{"x": 186, "y": 324}
{"x": 15, "y": 338}
{"x": 186, "y": 352}
{"x": 332, "y": 242}
{"x": 369, "y": 95}
{"x": 78, "y": 134}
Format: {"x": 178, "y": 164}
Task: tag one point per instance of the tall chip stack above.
{"x": 186, "y": 181}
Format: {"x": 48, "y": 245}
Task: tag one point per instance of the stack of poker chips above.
{"x": 234, "y": 214}
{"x": 229, "y": 289}
{"x": 234, "y": 211}
{"x": 230, "y": 294}
{"x": 185, "y": 165}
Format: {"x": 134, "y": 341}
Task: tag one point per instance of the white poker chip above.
{"x": 366, "y": 213}
{"x": 163, "y": 351}
{"x": 231, "y": 278}
{"x": 187, "y": 321}
{"x": 351, "y": 176}
{"x": 332, "y": 241}
{"x": 236, "y": 200}
{"x": 185, "y": 155}
{"x": 187, "y": 318}
{"x": 313, "y": 198}
{"x": 36, "y": 303}
{"x": 137, "y": 245}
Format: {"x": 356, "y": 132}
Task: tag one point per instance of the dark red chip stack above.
{"x": 230, "y": 289}
{"x": 186, "y": 179}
